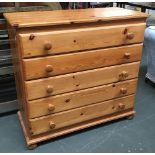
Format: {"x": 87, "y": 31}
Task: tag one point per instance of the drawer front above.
{"x": 80, "y": 98}
{"x": 68, "y": 63}
{"x": 74, "y": 116}
{"x": 80, "y": 80}
{"x": 62, "y": 41}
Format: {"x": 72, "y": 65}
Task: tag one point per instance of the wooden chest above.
{"x": 74, "y": 68}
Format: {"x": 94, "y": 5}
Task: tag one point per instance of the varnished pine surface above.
{"x": 70, "y": 129}
{"x": 65, "y": 41}
{"x": 63, "y": 64}
{"x": 74, "y": 116}
{"x": 47, "y": 18}
{"x": 80, "y": 98}
{"x": 80, "y": 80}
{"x": 83, "y": 115}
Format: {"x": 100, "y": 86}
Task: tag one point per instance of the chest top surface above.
{"x": 58, "y": 17}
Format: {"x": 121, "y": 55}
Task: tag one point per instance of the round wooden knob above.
{"x": 127, "y": 55}
{"x": 49, "y": 68}
{"x": 51, "y": 107}
{"x": 121, "y": 106}
{"x": 49, "y": 89}
{"x": 130, "y": 36}
{"x": 52, "y": 125}
{"x": 124, "y": 74}
{"x": 47, "y": 46}
{"x": 123, "y": 90}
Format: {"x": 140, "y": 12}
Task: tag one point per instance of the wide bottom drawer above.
{"x": 67, "y": 118}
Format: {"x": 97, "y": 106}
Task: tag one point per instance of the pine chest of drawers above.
{"x": 74, "y": 68}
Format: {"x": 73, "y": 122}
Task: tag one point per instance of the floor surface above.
{"x": 137, "y": 135}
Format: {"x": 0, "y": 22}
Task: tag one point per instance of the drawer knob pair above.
{"x": 123, "y": 90}
{"x": 49, "y": 89}
{"x": 49, "y": 68}
{"x": 52, "y": 125}
{"x": 51, "y": 107}
{"x": 127, "y": 55}
{"x": 123, "y": 75}
{"x": 47, "y": 46}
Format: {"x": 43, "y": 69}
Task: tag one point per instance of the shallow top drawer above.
{"x": 50, "y": 42}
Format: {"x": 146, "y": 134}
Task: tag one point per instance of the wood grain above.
{"x": 18, "y": 72}
{"x": 80, "y": 98}
{"x": 30, "y": 139}
{"x": 48, "y": 18}
{"x": 68, "y": 63}
{"x": 80, "y": 39}
{"x": 66, "y": 118}
{"x": 80, "y": 80}
{"x": 91, "y": 58}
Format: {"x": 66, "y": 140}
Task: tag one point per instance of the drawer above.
{"x": 80, "y": 80}
{"x": 47, "y": 42}
{"x": 55, "y": 65}
{"x": 78, "y": 115}
{"x": 80, "y": 98}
